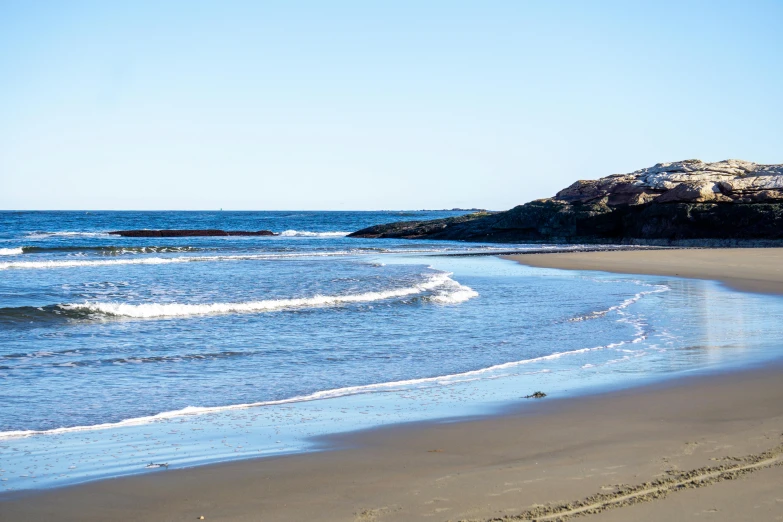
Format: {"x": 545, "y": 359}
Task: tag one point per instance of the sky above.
{"x": 354, "y": 105}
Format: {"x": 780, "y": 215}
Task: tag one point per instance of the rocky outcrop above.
{"x": 416, "y": 229}
{"x": 190, "y": 233}
{"x": 684, "y": 200}
{"x": 689, "y": 181}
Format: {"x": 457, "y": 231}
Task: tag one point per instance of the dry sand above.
{"x": 706, "y": 448}
{"x": 746, "y": 269}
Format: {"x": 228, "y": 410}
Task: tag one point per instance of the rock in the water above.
{"x": 190, "y": 233}
{"x": 684, "y": 200}
{"x": 415, "y": 229}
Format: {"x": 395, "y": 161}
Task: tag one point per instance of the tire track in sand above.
{"x": 650, "y": 491}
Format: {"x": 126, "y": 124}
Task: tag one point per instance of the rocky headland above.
{"x": 670, "y": 203}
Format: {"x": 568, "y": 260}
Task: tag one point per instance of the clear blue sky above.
{"x": 368, "y": 105}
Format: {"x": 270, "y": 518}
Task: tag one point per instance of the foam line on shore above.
{"x": 625, "y": 304}
{"x": 392, "y": 386}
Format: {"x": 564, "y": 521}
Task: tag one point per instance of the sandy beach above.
{"x": 705, "y": 447}
{"x": 544, "y": 453}
{"x": 745, "y": 269}
{"x": 391, "y": 261}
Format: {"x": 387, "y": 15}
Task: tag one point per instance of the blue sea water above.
{"x": 120, "y": 352}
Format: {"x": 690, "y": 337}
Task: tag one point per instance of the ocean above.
{"x": 133, "y": 355}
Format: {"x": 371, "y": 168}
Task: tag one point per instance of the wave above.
{"x": 30, "y": 360}
{"x": 458, "y": 295}
{"x": 320, "y": 395}
{"x": 443, "y": 290}
{"x": 625, "y": 304}
{"x": 11, "y": 251}
{"x": 68, "y": 263}
{"x": 448, "y": 291}
{"x": 35, "y": 316}
{"x": 45, "y": 235}
{"x": 286, "y": 233}
{"x": 302, "y": 233}
{"x": 110, "y": 250}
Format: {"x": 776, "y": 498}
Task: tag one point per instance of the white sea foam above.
{"x": 321, "y": 395}
{"x": 11, "y": 251}
{"x": 625, "y": 304}
{"x": 71, "y": 263}
{"x": 68, "y": 263}
{"x": 44, "y": 235}
{"x": 447, "y": 291}
{"x": 304, "y": 233}
{"x": 456, "y": 295}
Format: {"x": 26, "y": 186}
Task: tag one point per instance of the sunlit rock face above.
{"x": 689, "y": 181}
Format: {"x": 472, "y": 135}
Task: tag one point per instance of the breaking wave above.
{"x": 11, "y": 251}
{"x": 45, "y": 235}
{"x": 303, "y": 233}
{"x": 68, "y": 263}
{"x": 109, "y": 250}
{"x": 446, "y": 291}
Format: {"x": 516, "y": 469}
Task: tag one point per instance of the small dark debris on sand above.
{"x": 535, "y": 395}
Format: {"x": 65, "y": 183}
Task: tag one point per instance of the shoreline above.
{"x": 552, "y": 451}
{"x": 755, "y": 270}
{"x": 546, "y": 452}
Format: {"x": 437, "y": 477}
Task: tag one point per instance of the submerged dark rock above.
{"x": 190, "y": 233}
{"x": 669, "y": 203}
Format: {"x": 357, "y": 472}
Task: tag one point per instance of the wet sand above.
{"x": 542, "y": 453}
{"x": 697, "y": 448}
{"x": 745, "y": 269}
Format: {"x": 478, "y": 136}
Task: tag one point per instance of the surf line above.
{"x": 452, "y": 293}
{"x": 385, "y": 387}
